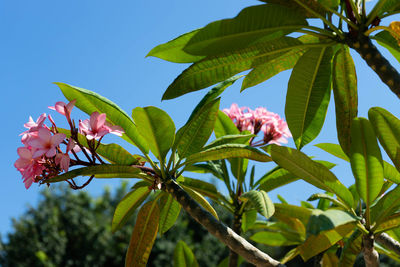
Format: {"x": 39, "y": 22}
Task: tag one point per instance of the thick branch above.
{"x": 371, "y": 256}
{"x": 388, "y": 242}
{"x": 388, "y": 74}
{"x": 225, "y": 234}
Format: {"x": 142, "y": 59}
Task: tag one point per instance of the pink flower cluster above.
{"x": 275, "y": 129}
{"x": 41, "y": 156}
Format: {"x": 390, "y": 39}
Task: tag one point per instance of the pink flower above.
{"x": 64, "y": 109}
{"x": 97, "y": 127}
{"x": 45, "y": 143}
{"x": 63, "y": 159}
{"x": 274, "y": 128}
{"x": 28, "y": 166}
{"x": 33, "y": 127}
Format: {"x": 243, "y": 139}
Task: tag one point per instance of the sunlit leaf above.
{"x": 127, "y": 206}
{"x": 366, "y": 160}
{"x": 156, "y": 127}
{"x": 143, "y": 235}
{"x": 169, "y": 212}
{"x": 386, "y": 40}
{"x": 386, "y": 206}
{"x": 308, "y": 94}
{"x": 351, "y": 249}
{"x": 345, "y": 93}
{"x": 183, "y": 256}
{"x": 250, "y": 25}
{"x": 275, "y": 239}
{"x": 89, "y": 102}
{"x": 173, "y": 50}
{"x": 327, "y": 220}
{"x": 261, "y": 201}
{"x": 310, "y": 171}
{"x": 224, "y": 126}
{"x": 201, "y": 200}
{"x": 286, "y": 210}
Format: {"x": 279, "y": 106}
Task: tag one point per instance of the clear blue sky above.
{"x": 101, "y": 45}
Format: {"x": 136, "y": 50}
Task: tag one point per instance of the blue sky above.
{"x": 101, "y": 45}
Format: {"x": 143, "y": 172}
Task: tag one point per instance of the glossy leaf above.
{"x": 386, "y": 206}
{"x": 286, "y": 210}
{"x": 169, "y": 212}
{"x": 388, "y": 223}
{"x": 173, "y": 50}
{"x": 318, "y": 243}
{"x": 310, "y": 171}
{"x": 224, "y": 126}
{"x": 192, "y": 137}
{"x": 329, "y": 259}
{"x": 275, "y": 239}
{"x": 345, "y": 93}
{"x": 278, "y": 177}
{"x": 129, "y": 171}
{"x": 230, "y": 139}
{"x": 329, "y": 198}
{"x": 290, "y": 255}
{"x": 214, "y": 69}
{"x": 261, "y": 201}
{"x": 308, "y": 94}
{"x": 315, "y": 7}
{"x": 268, "y": 69}
{"x": 206, "y": 189}
{"x": 386, "y": 40}
{"x": 351, "y": 250}
{"x": 127, "y": 206}
{"x": 228, "y": 151}
{"x": 366, "y": 160}
{"x": 89, "y": 102}
{"x": 248, "y": 219}
{"x": 183, "y": 256}
{"x": 157, "y": 128}
{"x": 389, "y": 172}
{"x": 250, "y": 25}
{"x": 143, "y": 236}
{"x": 201, "y": 200}
{"x": 214, "y": 93}
{"x": 387, "y": 128}
{"x": 327, "y": 220}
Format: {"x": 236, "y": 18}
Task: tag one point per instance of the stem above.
{"x": 237, "y": 227}
{"x": 388, "y": 242}
{"x": 352, "y": 24}
{"x": 377, "y": 28}
{"x": 371, "y": 256}
{"x": 225, "y": 234}
{"x": 388, "y": 74}
{"x": 355, "y": 11}
{"x": 374, "y": 12}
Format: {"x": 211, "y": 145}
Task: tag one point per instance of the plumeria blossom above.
{"x": 274, "y": 128}
{"x": 97, "y": 127}
{"x": 41, "y": 157}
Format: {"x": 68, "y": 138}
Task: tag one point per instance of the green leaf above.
{"x": 214, "y": 93}
{"x": 157, "y": 128}
{"x": 286, "y": 210}
{"x": 386, "y": 206}
{"x": 89, "y": 102}
{"x": 387, "y": 6}
{"x": 318, "y": 243}
{"x": 388, "y": 223}
{"x": 143, "y": 235}
{"x": 228, "y": 151}
{"x": 345, "y": 93}
{"x": 330, "y": 3}
{"x": 270, "y": 68}
{"x": 312, "y": 5}
{"x": 192, "y": 137}
{"x": 275, "y": 239}
{"x": 278, "y": 177}
{"x": 204, "y": 188}
{"x": 308, "y": 94}
{"x": 127, "y": 206}
{"x": 173, "y": 50}
{"x": 253, "y": 23}
{"x": 386, "y": 40}
{"x": 230, "y": 139}
{"x": 213, "y": 69}
{"x": 224, "y": 126}
{"x": 310, "y": 171}
{"x": 248, "y": 219}
{"x": 261, "y": 201}
{"x": 366, "y": 160}
{"x": 389, "y": 172}
{"x": 327, "y": 220}
{"x": 351, "y": 250}
{"x": 129, "y": 171}
{"x": 183, "y": 256}
{"x": 290, "y": 255}
{"x": 200, "y": 200}
{"x": 112, "y": 152}
{"x": 387, "y": 128}
{"x": 329, "y": 198}
{"x": 169, "y": 213}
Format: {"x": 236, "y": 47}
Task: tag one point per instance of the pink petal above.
{"x": 44, "y": 134}
{"x": 51, "y": 152}
{"x": 57, "y": 139}
{"x": 39, "y": 153}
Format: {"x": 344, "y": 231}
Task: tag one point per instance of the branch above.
{"x": 225, "y": 234}
{"x": 371, "y": 256}
{"x": 236, "y": 227}
{"x": 388, "y": 242}
{"x": 388, "y": 74}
